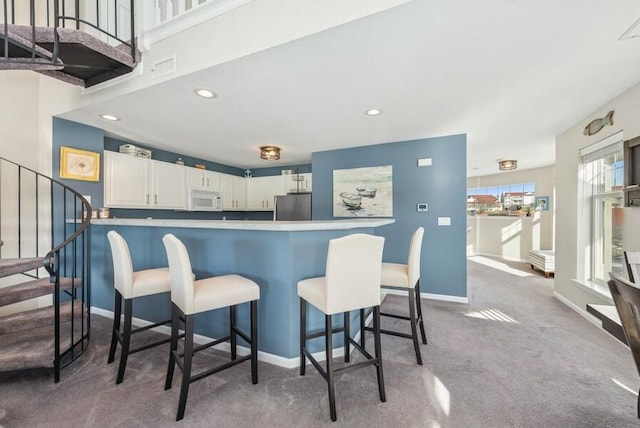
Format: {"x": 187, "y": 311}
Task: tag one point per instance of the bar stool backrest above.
{"x": 415, "y": 249}
{"x": 122, "y": 265}
{"x": 353, "y": 272}
{"x": 632, "y": 260}
{"x": 626, "y": 297}
{"x": 182, "y": 290}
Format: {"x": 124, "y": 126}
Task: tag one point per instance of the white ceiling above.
{"x": 511, "y": 74}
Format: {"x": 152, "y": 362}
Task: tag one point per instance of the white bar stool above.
{"x": 351, "y": 282}
{"x": 405, "y": 277}
{"x": 191, "y": 297}
{"x": 129, "y": 285}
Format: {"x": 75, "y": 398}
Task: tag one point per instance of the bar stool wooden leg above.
{"x": 330, "y": 376}
{"x": 347, "y": 332}
{"x": 303, "y": 335}
{"x": 174, "y": 346}
{"x": 378, "y": 353}
{"x": 117, "y": 313}
{"x": 254, "y": 342}
{"x": 126, "y": 338}
{"x": 186, "y": 368}
{"x": 362, "y": 329}
{"x": 234, "y": 339}
{"x": 420, "y": 319}
{"x": 414, "y": 331}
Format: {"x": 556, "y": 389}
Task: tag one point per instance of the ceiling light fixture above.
{"x": 109, "y": 117}
{"x": 270, "y": 153}
{"x": 507, "y": 165}
{"x": 204, "y": 93}
{"x": 373, "y": 112}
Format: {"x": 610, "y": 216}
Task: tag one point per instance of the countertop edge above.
{"x": 276, "y": 226}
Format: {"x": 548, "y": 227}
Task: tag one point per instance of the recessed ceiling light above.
{"x": 204, "y": 93}
{"x": 109, "y": 117}
{"x": 373, "y": 112}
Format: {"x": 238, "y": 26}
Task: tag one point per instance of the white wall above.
{"x": 570, "y": 253}
{"x": 26, "y": 138}
{"x": 511, "y": 238}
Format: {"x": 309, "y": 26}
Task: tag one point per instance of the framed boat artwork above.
{"x": 363, "y": 192}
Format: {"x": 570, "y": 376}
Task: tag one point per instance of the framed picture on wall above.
{"x": 79, "y": 164}
{"x": 363, "y": 192}
{"x": 542, "y": 203}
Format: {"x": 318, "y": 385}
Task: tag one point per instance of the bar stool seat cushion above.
{"x": 395, "y": 275}
{"x": 150, "y": 281}
{"x": 313, "y": 291}
{"x": 222, "y": 291}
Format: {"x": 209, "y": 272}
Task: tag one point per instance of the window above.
{"x": 504, "y": 200}
{"x": 602, "y": 175}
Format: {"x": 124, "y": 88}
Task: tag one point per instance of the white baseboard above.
{"x": 593, "y": 320}
{"x": 500, "y": 256}
{"x": 442, "y": 297}
{"x": 276, "y": 360}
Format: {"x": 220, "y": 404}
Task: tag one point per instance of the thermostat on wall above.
{"x": 423, "y": 206}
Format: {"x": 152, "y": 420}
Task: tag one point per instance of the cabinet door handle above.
{"x": 147, "y": 199}
{"x": 155, "y": 199}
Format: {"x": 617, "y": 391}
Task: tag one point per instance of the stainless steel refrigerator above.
{"x": 293, "y": 207}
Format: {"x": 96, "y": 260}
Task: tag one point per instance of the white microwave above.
{"x": 203, "y": 200}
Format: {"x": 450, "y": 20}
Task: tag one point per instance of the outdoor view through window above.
{"x": 505, "y": 200}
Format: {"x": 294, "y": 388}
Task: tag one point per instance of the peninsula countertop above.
{"x": 284, "y": 226}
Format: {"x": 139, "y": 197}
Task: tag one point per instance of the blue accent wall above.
{"x": 442, "y": 185}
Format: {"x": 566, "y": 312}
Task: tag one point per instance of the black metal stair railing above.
{"x": 33, "y": 205}
{"x": 56, "y": 14}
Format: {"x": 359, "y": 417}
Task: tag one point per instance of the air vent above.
{"x": 632, "y": 32}
{"x": 164, "y": 67}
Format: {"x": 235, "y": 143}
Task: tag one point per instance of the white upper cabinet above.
{"x": 204, "y": 179}
{"x": 261, "y": 192}
{"x": 233, "y": 189}
{"x": 126, "y": 181}
{"x": 132, "y": 182}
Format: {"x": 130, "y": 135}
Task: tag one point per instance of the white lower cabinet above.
{"x": 132, "y": 182}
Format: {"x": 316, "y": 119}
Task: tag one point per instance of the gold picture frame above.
{"x": 79, "y": 164}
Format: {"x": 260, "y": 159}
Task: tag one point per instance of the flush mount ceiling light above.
{"x": 373, "y": 112}
{"x": 109, "y": 117}
{"x": 204, "y": 93}
{"x": 507, "y": 165}
{"x": 270, "y": 152}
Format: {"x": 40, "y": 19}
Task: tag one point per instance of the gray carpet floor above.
{"x": 514, "y": 357}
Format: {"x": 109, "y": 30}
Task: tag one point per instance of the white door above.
{"x": 240, "y": 192}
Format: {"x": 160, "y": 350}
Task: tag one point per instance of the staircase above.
{"x": 36, "y": 209}
{"x": 56, "y": 42}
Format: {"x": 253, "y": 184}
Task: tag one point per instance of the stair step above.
{"x": 34, "y": 348}
{"x": 36, "y": 318}
{"x": 35, "y": 288}
{"x": 25, "y": 264}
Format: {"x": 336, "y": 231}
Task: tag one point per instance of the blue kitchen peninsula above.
{"x": 276, "y": 255}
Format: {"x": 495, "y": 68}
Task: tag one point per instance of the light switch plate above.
{"x": 444, "y": 221}
{"x": 424, "y": 162}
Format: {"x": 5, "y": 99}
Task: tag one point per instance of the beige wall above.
{"x": 570, "y": 250}
{"x": 511, "y": 238}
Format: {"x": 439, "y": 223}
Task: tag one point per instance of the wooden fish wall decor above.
{"x": 596, "y": 125}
